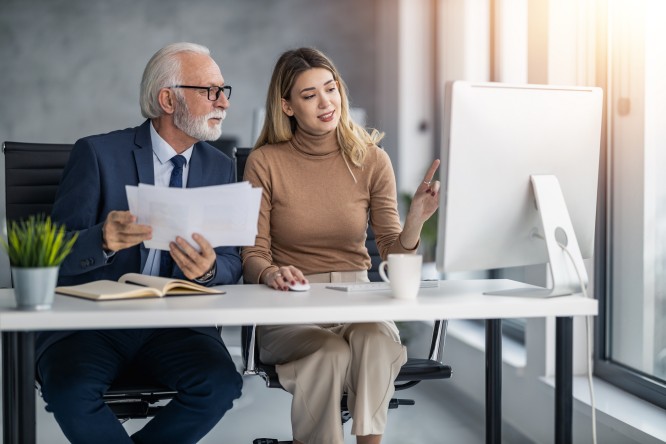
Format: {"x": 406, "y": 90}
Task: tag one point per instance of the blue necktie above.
{"x": 176, "y": 181}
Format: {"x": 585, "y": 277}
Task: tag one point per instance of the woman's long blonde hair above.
{"x": 353, "y": 139}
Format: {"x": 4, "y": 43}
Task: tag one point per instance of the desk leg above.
{"x": 493, "y": 381}
{"x": 18, "y": 387}
{"x": 563, "y": 380}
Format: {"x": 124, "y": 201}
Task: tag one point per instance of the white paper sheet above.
{"x": 226, "y": 215}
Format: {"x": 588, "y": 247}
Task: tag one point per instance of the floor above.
{"x": 264, "y": 413}
{"x": 439, "y": 416}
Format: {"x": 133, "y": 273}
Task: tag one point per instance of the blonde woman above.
{"x": 324, "y": 180}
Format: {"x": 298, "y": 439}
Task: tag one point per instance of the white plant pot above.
{"x": 34, "y": 287}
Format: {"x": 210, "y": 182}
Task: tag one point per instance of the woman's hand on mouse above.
{"x": 281, "y": 278}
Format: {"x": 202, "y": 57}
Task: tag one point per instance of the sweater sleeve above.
{"x": 258, "y": 258}
{"x": 384, "y": 217}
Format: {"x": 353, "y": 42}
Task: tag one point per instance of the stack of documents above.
{"x": 226, "y": 215}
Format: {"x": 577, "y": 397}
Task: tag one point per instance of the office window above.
{"x": 631, "y": 350}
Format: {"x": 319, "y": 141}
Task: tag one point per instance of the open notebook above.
{"x": 134, "y": 285}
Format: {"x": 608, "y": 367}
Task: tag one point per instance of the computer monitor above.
{"x": 519, "y": 179}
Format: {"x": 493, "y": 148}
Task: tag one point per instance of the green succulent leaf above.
{"x": 37, "y": 242}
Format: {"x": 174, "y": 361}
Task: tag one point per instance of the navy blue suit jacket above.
{"x": 93, "y": 184}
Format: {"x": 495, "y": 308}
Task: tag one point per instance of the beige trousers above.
{"x": 317, "y": 363}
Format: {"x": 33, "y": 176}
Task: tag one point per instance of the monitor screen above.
{"x": 495, "y": 138}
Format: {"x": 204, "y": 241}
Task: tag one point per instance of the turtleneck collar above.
{"x": 322, "y": 146}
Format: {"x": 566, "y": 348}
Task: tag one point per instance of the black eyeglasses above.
{"x": 213, "y": 91}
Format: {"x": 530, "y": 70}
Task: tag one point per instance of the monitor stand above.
{"x": 557, "y": 229}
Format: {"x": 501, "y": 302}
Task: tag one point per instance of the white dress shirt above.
{"x": 162, "y": 167}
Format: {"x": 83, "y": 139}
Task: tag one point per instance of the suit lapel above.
{"x": 196, "y": 174}
{"x": 143, "y": 158}
{"x": 143, "y": 155}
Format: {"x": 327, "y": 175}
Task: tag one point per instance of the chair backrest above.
{"x": 375, "y": 258}
{"x": 226, "y": 144}
{"x": 241, "y": 158}
{"x": 32, "y": 176}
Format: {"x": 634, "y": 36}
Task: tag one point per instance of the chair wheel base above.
{"x": 395, "y": 403}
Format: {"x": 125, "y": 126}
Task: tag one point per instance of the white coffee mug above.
{"x": 405, "y": 272}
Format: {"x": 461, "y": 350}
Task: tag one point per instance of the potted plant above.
{"x": 36, "y": 247}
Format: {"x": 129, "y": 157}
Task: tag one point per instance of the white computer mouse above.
{"x": 299, "y": 287}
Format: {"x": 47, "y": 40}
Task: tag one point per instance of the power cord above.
{"x": 588, "y": 321}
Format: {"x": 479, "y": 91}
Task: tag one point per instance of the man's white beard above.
{"x": 198, "y": 127}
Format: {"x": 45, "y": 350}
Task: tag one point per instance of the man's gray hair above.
{"x": 162, "y": 71}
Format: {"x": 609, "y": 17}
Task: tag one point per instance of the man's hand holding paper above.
{"x": 121, "y": 231}
{"x": 225, "y": 215}
{"x": 193, "y": 263}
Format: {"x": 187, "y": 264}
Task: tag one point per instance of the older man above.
{"x": 184, "y": 98}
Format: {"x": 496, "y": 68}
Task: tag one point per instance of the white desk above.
{"x": 257, "y": 304}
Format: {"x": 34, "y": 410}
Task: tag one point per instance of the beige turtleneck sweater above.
{"x": 314, "y": 211}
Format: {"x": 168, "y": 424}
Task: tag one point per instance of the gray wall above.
{"x": 71, "y": 68}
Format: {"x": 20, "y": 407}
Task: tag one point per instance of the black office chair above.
{"x": 226, "y": 144}
{"x": 375, "y": 258}
{"x": 32, "y": 176}
{"x": 414, "y": 371}
{"x": 241, "y": 157}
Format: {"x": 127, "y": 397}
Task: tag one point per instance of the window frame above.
{"x": 638, "y": 383}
